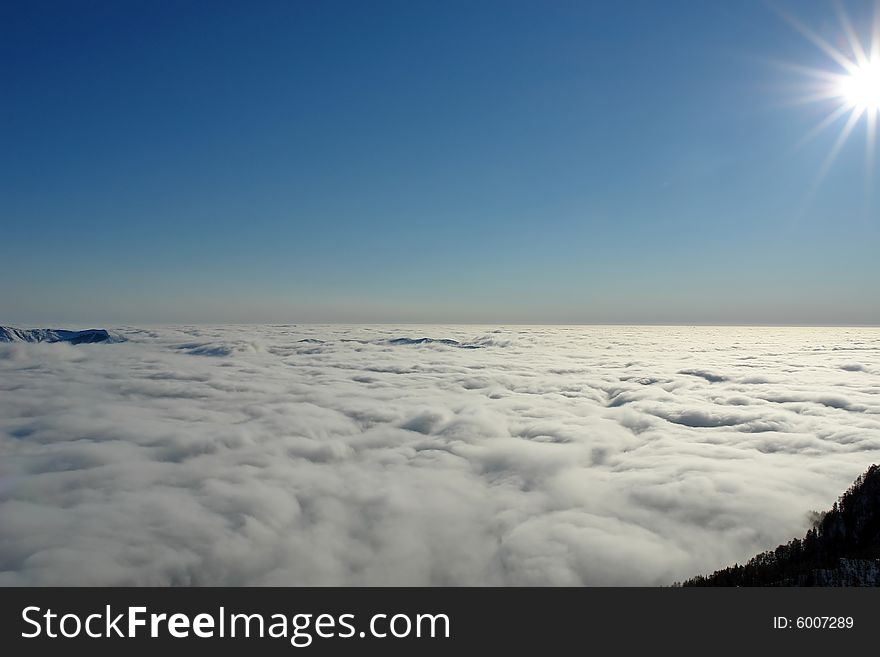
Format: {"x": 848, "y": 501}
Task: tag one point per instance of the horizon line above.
{"x": 452, "y": 323}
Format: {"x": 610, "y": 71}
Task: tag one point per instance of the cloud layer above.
{"x": 308, "y": 455}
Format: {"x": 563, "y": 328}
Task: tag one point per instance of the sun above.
{"x": 860, "y": 89}
{"x": 850, "y": 86}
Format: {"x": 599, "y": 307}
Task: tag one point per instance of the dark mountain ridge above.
{"x": 88, "y": 336}
{"x": 841, "y": 549}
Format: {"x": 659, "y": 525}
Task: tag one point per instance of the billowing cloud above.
{"x": 363, "y": 455}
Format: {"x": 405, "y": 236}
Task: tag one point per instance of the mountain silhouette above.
{"x": 841, "y": 549}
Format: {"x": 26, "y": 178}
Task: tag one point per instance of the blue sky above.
{"x": 498, "y": 162}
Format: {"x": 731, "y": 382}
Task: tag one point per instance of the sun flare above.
{"x": 861, "y": 88}
{"x": 850, "y": 86}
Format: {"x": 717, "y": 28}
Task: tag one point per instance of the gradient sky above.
{"x": 498, "y": 162}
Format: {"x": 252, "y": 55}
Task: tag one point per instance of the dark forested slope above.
{"x": 842, "y": 548}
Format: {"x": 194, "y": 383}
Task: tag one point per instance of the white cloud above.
{"x": 330, "y": 455}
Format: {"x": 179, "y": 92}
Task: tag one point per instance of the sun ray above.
{"x": 798, "y": 94}
{"x": 875, "y": 36}
{"x": 838, "y": 145}
{"x": 809, "y": 71}
{"x": 870, "y": 154}
{"x": 846, "y": 63}
{"x": 812, "y": 99}
{"x": 822, "y": 126}
{"x": 854, "y": 43}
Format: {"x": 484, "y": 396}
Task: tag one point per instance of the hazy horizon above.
{"x": 475, "y": 324}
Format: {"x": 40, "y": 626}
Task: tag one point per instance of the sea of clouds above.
{"x": 334, "y": 455}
